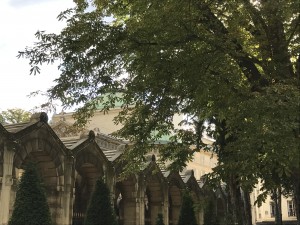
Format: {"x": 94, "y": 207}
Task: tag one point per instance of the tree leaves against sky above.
{"x": 231, "y": 62}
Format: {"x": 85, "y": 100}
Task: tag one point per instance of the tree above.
{"x": 187, "y": 213}
{"x": 14, "y": 116}
{"x": 30, "y": 191}
{"x": 234, "y": 63}
{"x": 160, "y": 219}
{"x": 210, "y": 212}
{"x": 100, "y": 210}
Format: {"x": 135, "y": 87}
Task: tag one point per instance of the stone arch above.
{"x": 119, "y": 203}
{"x": 197, "y": 196}
{"x": 147, "y": 208}
{"x": 49, "y": 160}
{"x": 176, "y": 186}
{"x": 89, "y": 166}
{"x": 155, "y": 193}
{"x": 48, "y": 155}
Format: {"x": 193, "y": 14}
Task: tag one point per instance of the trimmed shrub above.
{"x": 210, "y": 214}
{"x": 187, "y": 214}
{"x": 31, "y": 207}
{"x": 160, "y": 219}
{"x": 100, "y": 210}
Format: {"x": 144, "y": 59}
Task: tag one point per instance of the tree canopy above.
{"x": 14, "y": 116}
{"x": 234, "y": 64}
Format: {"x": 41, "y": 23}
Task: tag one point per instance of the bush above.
{"x": 160, "y": 219}
{"x": 100, "y": 210}
{"x": 187, "y": 213}
{"x": 31, "y": 207}
{"x": 210, "y": 214}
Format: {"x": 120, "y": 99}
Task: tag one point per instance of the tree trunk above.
{"x": 247, "y": 208}
{"x": 236, "y": 200}
{"x": 279, "y": 207}
{"x": 224, "y": 198}
{"x": 229, "y": 217}
{"x": 242, "y": 208}
{"x": 277, "y": 200}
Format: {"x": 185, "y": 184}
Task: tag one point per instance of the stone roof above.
{"x": 14, "y": 128}
{"x": 109, "y": 147}
{"x": 70, "y": 142}
{"x": 112, "y": 148}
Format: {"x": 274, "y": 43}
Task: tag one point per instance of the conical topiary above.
{"x": 210, "y": 214}
{"x": 100, "y": 210}
{"x": 160, "y": 219}
{"x": 187, "y": 213}
{"x": 31, "y": 207}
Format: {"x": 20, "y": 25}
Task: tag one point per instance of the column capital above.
{"x": 9, "y": 152}
{"x": 8, "y": 180}
{"x": 11, "y": 145}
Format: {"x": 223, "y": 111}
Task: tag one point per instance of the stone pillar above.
{"x": 140, "y": 208}
{"x": 110, "y": 179}
{"x": 7, "y": 181}
{"x": 175, "y": 212}
{"x": 140, "y": 199}
{"x": 67, "y": 203}
{"x": 54, "y": 198}
{"x": 200, "y": 213}
{"x": 166, "y": 204}
{"x": 201, "y": 217}
{"x": 132, "y": 210}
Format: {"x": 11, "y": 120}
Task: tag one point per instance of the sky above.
{"x": 19, "y": 21}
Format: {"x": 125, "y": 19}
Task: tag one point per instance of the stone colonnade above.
{"x": 69, "y": 166}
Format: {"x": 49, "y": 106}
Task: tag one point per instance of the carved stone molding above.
{"x": 63, "y": 129}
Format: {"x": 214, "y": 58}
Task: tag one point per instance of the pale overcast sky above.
{"x": 20, "y": 19}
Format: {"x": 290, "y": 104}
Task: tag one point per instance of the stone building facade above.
{"x": 69, "y": 164}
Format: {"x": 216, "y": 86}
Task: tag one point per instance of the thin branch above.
{"x": 297, "y": 22}
{"x": 246, "y": 63}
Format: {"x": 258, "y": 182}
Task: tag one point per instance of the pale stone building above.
{"x": 265, "y": 214}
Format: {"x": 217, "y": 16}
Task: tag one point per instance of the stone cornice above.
{"x": 89, "y": 143}
{"x": 20, "y": 135}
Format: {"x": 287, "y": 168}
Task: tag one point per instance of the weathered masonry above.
{"x": 69, "y": 166}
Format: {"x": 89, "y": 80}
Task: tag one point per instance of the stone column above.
{"x": 132, "y": 210}
{"x": 200, "y": 214}
{"x": 67, "y": 203}
{"x": 7, "y": 182}
{"x": 166, "y": 204}
{"x": 140, "y": 210}
{"x": 140, "y": 199}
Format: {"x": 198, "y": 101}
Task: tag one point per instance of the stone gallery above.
{"x": 69, "y": 164}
